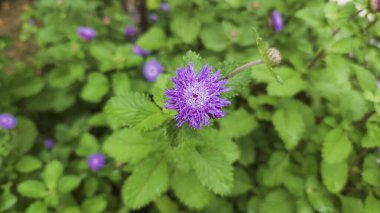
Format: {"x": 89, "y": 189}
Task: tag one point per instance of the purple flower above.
{"x": 152, "y": 70}
{"x": 375, "y": 5}
{"x": 130, "y": 31}
{"x": 164, "y": 7}
{"x": 86, "y": 33}
{"x": 32, "y": 21}
{"x": 49, "y": 143}
{"x": 277, "y": 21}
{"x": 96, "y": 161}
{"x": 196, "y": 96}
{"x": 7, "y": 121}
{"x": 153, "y": 17}
{"x": 140, "y": 51}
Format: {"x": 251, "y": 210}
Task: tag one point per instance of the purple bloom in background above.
{"x": 277, "y": 21}
{"x": 153, "y": 17}
{"x": 130, "y": 31}
{"x": 140, "y": 51}
{"x": 375, "y": 5}
{"x": 7, "y": 121}
{"x": 32, "y": 21}
{"x": 196, "y": 96}
{"x": 49, "y": 143}
{"x": 86, "y": 33}
{"x": 152, "y": 70}
{"x": 96, "y": 161}
{"x": 164, "y": 7}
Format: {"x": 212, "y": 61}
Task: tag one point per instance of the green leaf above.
{"x": 242, "y": 182}
{"x": 352, "y": 205}
{"x": 87, "y": 145}
{"x": 135, "y": 110}
{"x": 189, "y": 33}
{"x": 25, "y": 135}
{"x": 353, "y": 105}
{"x": 90, "y": 186}
{"x": 292, "y": 83}
{"x": 95, "y": 88}
{"x": 232, "y": 129}
{"x": 183, "y": 183}
{"x": 7, "y": 201}
{"x": 219, "y": 205}
{"x": 371, "y": 172}
{"x": 28, "y": 164}
{"x": 372, "y": 204}
{"x": 336, "y": 146}
{"x": 52, "y": 172}
{"x": 153, "y": 39}
{"x": 318, "y": 198}
{"x": 195, "y": 59}
{"x": 276, "y": 172}
{"x": 94, "y": 205}
{"x": 278, "y": 201}
{"x": 213, "y": 37}
{"x": 334, "y": 176}
{"x": 132, "y": 146}
{"x": 290, "y": 126}
{"x": 165, "y": 205}
{"x": 68, "y": 183}
{"x": 366, "y": 79}
{"x": 32, "y": 189}
{"x": 37, "y": 207}
{"x": 212, "y": 168}
{"x": 20, "y": 84}
{"x": 371, "y": 139}
{"x": 121, "y": 84}
{"x": 148, "y": 181}
{"x": 163, "y": 82}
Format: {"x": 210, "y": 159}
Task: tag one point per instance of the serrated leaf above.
{"x": 37, "y": 207}
{"x": 195, "y": 59}
{"x": 183, "y": 183}
{"x": 213, "y": 37}
{"x": 292, "y": 83}
{"x": 68, "y": 183}
{"x": 276, "y": 171}
{"x": 32, "y": 189}
{"x": 242, "y": 182}
{"x": 366, "y": 79}
{"x": 87, "y": 145}
{"x": 28, "y": 164}
{"x": 52, "y": 172}
{"x": 238, "y": 83}
{"x": 336, "y": 146}
{"x": 121, "y": 84}
{"x": 153, "y": 39}
{"x": 147, "y": 182}
{"x": 334, "y": 176}
{"x": 371, "y": 139}
{"x": 352, "y": 205}
{"x": 163, "y": 82}
{"x": 25, "y": 135}
{"x": 135, "y": 110}
{"x": 7, "y": 201}
{"x": 131, "y": 145}
{"x": 212, "y": 168}
{"x": 290, "y": 126}
{"x": 165, "y": 205}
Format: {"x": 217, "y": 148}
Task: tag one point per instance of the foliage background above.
{"x": 307, "y": 145}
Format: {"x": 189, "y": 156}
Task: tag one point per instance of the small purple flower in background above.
{"x": 86, "y": 33}
{"x": 152, "y": 70}
{"x": 32, "y": 21}
{"x": 153, "y": 17}
{"x": 164, "y": 7}
{"x": 7, "y": 121}
{"x": 96, "y": 161}
{"x": 375, "y": 5}
{"x": 49, "y": 143}
{"x": 130, "y": 31}
{"x": 277, "y": 21}
{"x": 196, "y": 96}
{"x": 140, "y": 51}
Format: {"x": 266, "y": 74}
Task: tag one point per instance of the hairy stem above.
{"x": 243, "y": 67}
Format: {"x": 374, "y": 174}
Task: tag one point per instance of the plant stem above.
{"x": 243, "y": 67}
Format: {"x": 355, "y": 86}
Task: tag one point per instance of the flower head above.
{"x": 277, "y": 21}
{"x": 86, "y": 33}
{"x": 130, "y": 31}
{"x": 152, "y": 70}
{"x": 274, "y": 56}
{"x": 153, "y": 17}
{"x": 49, "y": 143}
{"x": 164, "y": 7}
{"x": 196, "y": 96}
{"x": 96, "y": 161}
{"x": 7, "y": 121}
{"x": 140, "y": 51}
{"x": 375, "y": 5}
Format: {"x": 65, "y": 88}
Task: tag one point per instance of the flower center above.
{"x": 152, "y": 71}
{"x": 196, "y": 95}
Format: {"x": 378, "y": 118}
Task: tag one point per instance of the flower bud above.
{"x": 274, "y": 56}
